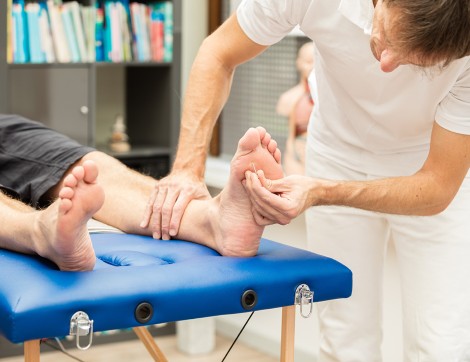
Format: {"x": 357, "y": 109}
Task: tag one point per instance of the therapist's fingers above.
{"x": 171, "y": 197}
{"x": 156, "y": 220}
{"x": 275, "y": 200}
{"x": 265, "y": 182}
{"x": 274, "y": 186}
{"x": 271, "y": 205}
{"x": 177, "y": 213}
{"x": 260, "y": 219}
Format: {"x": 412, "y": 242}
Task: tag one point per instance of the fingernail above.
{"x": 156, "y": 235}
{"x": 172, "y": 232}
{"x": 253, "y": 166}
{"x": 143, "y": 224}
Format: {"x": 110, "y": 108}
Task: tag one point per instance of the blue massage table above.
{"x": 139, "y": 281}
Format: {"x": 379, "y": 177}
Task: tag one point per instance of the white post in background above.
{"x": 196, "y": 336}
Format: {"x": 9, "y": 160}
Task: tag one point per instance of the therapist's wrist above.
{"x": 194, "y": 165}
{"x": 323, "y": 192}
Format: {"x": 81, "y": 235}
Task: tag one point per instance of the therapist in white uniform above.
{"x": 388, "y": 155}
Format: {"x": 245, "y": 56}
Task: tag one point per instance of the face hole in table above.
{"x": 143, "y": 312}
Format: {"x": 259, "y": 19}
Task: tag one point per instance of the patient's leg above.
{"x": 61, "y": 231}
{"x": 229, "y": 220}
{"x": 224, "y": 223}
{"x": 126, "y": 193}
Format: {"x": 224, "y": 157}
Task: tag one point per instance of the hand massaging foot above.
{"x": 61, "y": 233}
{"x": 239, "y": 233}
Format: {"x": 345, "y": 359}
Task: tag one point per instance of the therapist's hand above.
{"x": 168, "y": 201}
{"x": 279, "y": 201}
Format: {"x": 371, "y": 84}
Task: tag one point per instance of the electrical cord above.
{"x": 235, "y": 341}
{"x": 61, "y": 348}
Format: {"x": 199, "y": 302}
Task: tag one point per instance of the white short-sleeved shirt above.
{"x": 375, "y": 122}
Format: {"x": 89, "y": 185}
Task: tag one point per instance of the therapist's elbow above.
{"x": 212, "y": 56}
{"x": 440, "y": 202}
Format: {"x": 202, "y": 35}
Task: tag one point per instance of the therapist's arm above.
{"x": 207, "y": 92}
{"x": 427, "y": 192}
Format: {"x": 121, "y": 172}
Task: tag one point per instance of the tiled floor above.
{"x": 134, "y": 351}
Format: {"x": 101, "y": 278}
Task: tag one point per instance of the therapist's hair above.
{"x": 436, "y": 31}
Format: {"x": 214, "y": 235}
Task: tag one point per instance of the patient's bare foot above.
{"x": 239, "y": 233}
{"x": 61, "y": 229}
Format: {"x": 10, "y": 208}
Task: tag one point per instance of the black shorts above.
{"x": 33, "y": 158}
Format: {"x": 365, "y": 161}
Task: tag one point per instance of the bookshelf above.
{"x": 83, "y": 99}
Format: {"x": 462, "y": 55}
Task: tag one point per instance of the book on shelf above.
{"x": 99, "y": 35}
{"x": 61, "y": 45}
{"x": 45, "y": 34}
{"x": 10, "y": 36}
{"x": 89, "y": 17}
{"x": 48, "y": 31}
{"x": 157, "y": 32}
{"x": 35, "y": 43}
{"x": 75, "y": 15}
{"x": 165, "y": 10}
{"x": 20, "y": 43}
{"x": 152, "y": 25}
{"x": 141, "y": 34}
{"x": 70, "y": 33}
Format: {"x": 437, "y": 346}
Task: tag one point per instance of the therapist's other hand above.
{"x": 168, "y": 201}
{"x": 278, "y": 201}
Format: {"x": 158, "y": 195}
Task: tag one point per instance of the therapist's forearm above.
{"x": 207, "y": 92}
{"x": 420, "y": 194}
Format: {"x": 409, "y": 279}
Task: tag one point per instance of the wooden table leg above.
{"x": 32, "y": 350}
{"x": 149, "y": 343}
{"x": 288, "y": 334}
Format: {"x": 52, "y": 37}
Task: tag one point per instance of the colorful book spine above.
{"x": 107, "y": 32}
{"x": 75, "y": 14}
{"x": 99, "y": 36}
{"x": 157, "y": 35}
{"x": 116, "y": 54}
{"x": 35, "y": 45}
{"x": 10, "y": 34}
{"x": 111, "y": 30}
{"x": 126, "y": 38}
{"x": 21, "y": 47}
{"x": 133, "y": 9}
{"x": 146, "y": 32}
{"x": 45, "y": 34}
{"x": 70, "y": 34}
{"x": 166, "y": 8}
{"x": 89, "y": 21}
{"x": 138, "y": 21}
{"x": 61, "y": 46}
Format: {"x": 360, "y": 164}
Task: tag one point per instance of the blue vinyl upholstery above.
{"x": 181, "y": 280}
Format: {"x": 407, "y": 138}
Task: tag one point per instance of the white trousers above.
{"x": 433, "y": 255}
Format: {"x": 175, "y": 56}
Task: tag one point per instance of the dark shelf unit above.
{"x": 82, "y": 100}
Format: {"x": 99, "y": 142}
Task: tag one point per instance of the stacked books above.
{"x": 49, "y": 31}
{"x": 152, "y": 26}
